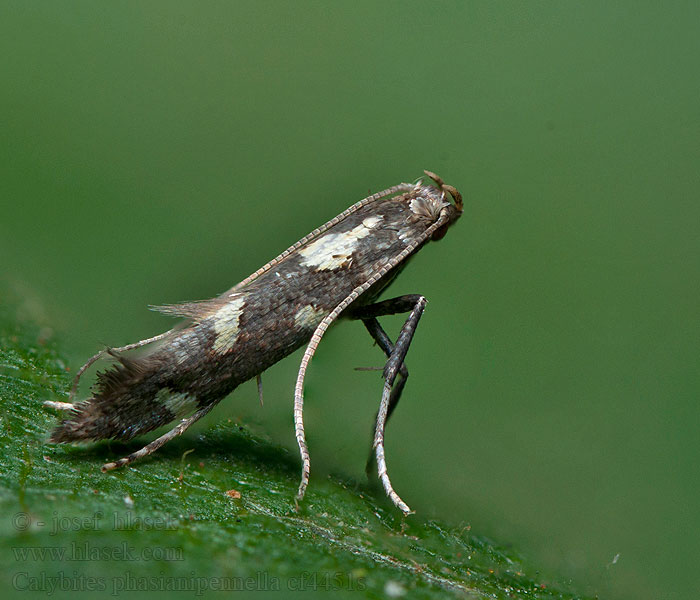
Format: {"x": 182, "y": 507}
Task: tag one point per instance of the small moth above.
{"x": 337, "y": 270}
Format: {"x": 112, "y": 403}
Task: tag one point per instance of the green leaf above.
{"x": 168, "y": 523}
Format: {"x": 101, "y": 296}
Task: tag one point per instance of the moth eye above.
{"x": 440, "y": 232}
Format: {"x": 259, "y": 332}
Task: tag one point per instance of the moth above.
{"x": 338, "y": 270}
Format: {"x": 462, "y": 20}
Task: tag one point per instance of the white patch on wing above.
{"x": 308, "y": 317}
{"x": 184, "y": 345}
{"x": 405, "y": 234}
{"x": 334, "y": 250}
{"x": 372, "y": 222}
{"x": 226, "y": 321}
{"x": 180, "y": 404}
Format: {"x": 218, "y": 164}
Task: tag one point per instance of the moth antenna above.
{"x": 379, "y": 449}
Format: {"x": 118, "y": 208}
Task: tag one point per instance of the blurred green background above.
{"x": 157, "y": 152}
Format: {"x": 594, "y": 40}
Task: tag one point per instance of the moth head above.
{"x": 448, "y": 212}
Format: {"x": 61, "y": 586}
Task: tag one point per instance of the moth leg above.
{"x": 382, "y": 339}
{"x": 93, "y": 359}
{"x": 368, "y": 314}
{"x": 180, "y": 428}
{"x": 392, "y": 306}
{"x": 391, "y": 370}
{"x": 258, "y": 379}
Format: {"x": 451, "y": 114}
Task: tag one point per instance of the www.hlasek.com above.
{"x": 85, "y": 552}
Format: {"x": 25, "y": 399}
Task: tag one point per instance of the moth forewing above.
{"x": 401, "y": 187}
{"x": 339, "y": 268}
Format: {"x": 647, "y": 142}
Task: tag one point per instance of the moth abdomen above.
{"x": 134, "y": 396}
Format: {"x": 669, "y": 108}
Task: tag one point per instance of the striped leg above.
{"x": 93, "y": 359}
{"x": 179, "y": 429}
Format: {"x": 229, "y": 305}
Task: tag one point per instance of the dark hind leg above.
{"x": 394, "y": 367}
